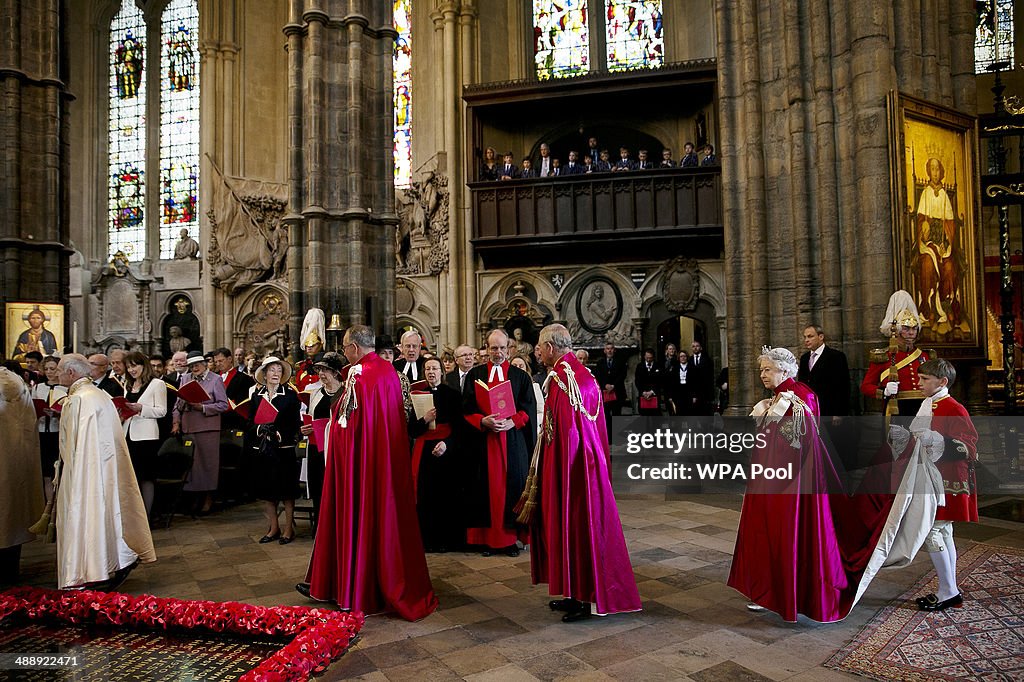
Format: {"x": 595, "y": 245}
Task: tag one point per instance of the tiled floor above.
{"x": 494, "y": 625}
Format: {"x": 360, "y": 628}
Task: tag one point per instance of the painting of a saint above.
{"x": 34, "y": 327}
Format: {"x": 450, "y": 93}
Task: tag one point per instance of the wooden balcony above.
{"x": 608, "y": 217}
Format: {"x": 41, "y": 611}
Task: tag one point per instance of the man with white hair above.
{"x": 368, "y": 555}
{"x": 577, "y": 543}
{"x": 102, "y": 528}
{"x": 99, "y": 372}
{"x": 465, "y": 359}
{"x": 410, "y": 364}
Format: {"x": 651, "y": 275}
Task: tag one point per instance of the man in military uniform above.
{"x": 312, "y": 335}
{"x": 893, "y": 374}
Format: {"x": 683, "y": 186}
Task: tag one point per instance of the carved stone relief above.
{"x": 680, "y": 285}
{"x": 266, "y": 328}
{"x": 421, "y": 240}
{"x": 248, "y": 243}
{"x": 121, "y": 306}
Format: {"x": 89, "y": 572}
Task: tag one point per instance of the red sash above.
{"x": 440, "y": 433}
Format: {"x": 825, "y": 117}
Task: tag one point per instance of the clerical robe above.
{"x": 101, "y": 520}
{"x": 21, "y": 481}
{"x": 367, "y": 554}
{"x": 501, "y": 459}
{"x": 578, "y": 548}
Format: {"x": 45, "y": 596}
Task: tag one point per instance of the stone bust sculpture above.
{"x": 177, "y": 342}
{"x": 186, "y": 248}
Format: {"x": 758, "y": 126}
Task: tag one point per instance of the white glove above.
{"x": 898, "y": 439}
{"x": 891, "y": 389}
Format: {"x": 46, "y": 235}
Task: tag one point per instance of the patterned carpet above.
{"x": 984, "y": 640}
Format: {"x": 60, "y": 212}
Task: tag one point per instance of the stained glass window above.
{"x": 560, "y": 38}
{"x": 179, "y": 123}
{"x": 633, "y": 34}
{"x": 993, "y": 34}
{"x": 127, "y": 134}
{"x": 402, "y": 79}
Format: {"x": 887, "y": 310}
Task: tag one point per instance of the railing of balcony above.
{"x": 598, "y": 204}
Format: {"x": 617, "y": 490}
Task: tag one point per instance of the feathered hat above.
{"x": 313, "y": 328}
{"x": 902, "y": 310}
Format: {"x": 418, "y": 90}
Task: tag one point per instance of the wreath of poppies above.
{"x": 318, "y": 635}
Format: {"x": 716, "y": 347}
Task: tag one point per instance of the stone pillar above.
{"x": 34, "y": 155}
{"x": 805, "y": 148}
{"x": 341, "y": 217}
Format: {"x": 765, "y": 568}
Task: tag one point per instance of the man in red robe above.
{"x": 577, "y": 544}
{"x": 368, "y": 555}
{"x": 500, "y": 447}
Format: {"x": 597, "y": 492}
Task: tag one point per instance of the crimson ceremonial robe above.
{"x": 368, "y": 555}
{"x": 578, "y": 546}
{"x": 800, "y": 549}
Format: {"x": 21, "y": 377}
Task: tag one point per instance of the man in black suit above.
{"x": 703, "y": 367}
{"x": 543, "y": 163}
{"x": 648, "y": 379}
{"x": 643, "y": 163}
{"x": 527, "y": 172}
{"x": 826, "y": 371}
{"x": 465, "y": 360}
{"x": 611, "y": 377}
{"x": 100, "y": 365}
{"x": 177, "y": 369}
{"x": 410, "y": 364}
{"x": 574, "y": 167}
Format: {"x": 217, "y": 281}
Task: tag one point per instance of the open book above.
{"x": 497, "y": 399}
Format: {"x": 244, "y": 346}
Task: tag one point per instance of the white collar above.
{"x": 496, "y": 370}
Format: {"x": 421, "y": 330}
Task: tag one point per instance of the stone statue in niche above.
{"x": 421, "y": 240}
{"x": 266, "y": 332}
{"x": 248, "y": 243}
{"x": 186, "y": 248}
{"x": 181, "y": 327}
{"x": 178, "y": 341}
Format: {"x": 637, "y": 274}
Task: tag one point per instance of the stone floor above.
{"x": 494, "y": 625}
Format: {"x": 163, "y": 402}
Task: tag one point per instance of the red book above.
{"x": 242, "y": 409}
{"x": 193, "y": 392}
{"x": 265, "y": 413}
{"x": 40, "y": 405}
{"x": 58, "y": 403}
{"x": 648, "y": 403}
{"x": 497, "y": 399}
{"x": 320, "y": 432}
{"x": 304, "y": 397}
{"x": 608, "y": 395}
{"x": 122, "y": 408}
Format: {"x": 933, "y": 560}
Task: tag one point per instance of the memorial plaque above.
{"x": 102, "y": 653}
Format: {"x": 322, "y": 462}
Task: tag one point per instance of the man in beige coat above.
{"x": 21, "y": 482}
{"x": 102, "y": 529}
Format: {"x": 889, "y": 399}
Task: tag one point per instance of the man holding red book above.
{"x": 500, "y": 439}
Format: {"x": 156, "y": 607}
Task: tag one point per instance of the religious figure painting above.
{"x": 34, "y": 327}
{"x": 937, "y": 252}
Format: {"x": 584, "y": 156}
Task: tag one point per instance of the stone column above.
{"x": 34, "y": 154}
{"x": 805, "y": 161}
{"x": 339, "y": 158}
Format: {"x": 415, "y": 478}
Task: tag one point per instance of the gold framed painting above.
{"x": 34, "y": 327}
{"x": 935, "y": 213}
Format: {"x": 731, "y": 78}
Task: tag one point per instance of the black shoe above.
{"x": 487, "y": 552}
{"x": 512, "y": 551}
{"x": 285, "y": 541}
{"x": 567, "y": 605}
{"x": 927, "y": 600}
{"x": 303, "y": 589}
{"x": 955, "y": 602}
{"x": 270, "y": 538}
{"x": 582, "y": 613}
